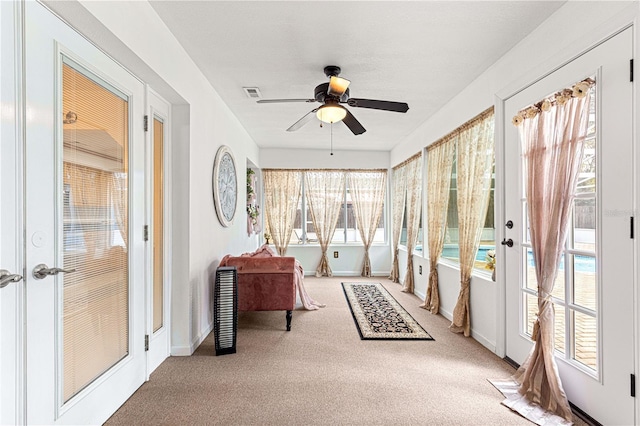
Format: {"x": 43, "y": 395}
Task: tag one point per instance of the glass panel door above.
{"x": 95, "y": 230}
{"x": 158, "y": 223}
{"x": 83, "y": 215}
{"x": 593, "y": 293}
{"x": 158, "y": 248}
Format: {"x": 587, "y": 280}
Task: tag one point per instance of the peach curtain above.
{"x": 552, "y": 133}
{"x": 367, "y": 191}
{"x": 474, "y": 173}
{"x": 324, "y": 190}
{"x": 414, "y": 211}
{"x": 281, "y": 195}
{"x": 398, "y": 203}
{"x": 439, "y": 162}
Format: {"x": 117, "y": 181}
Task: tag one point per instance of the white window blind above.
{"x": 95, "y": 228}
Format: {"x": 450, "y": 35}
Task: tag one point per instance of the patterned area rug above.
{"x": 379, "y": 316}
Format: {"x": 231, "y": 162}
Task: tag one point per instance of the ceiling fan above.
{"x": 331, "y": 95}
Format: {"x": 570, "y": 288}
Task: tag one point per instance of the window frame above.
{"x": 305, "y": 220}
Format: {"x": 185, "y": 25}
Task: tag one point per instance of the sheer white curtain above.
{"x": 474, "y": 174}
{"x": 399, "y": 196}
{"x": 552, "y": 134}
{"x": 324, "y": 191}
{"x": 414, "y": 211}
{"x": 439, "y": 162}
{"x": 281, "y": 196}
{"x": 367, "y": 189}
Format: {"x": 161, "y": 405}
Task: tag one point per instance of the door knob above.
{"x": 6, "y": 277}
{"x": 42, "y": 271}
{"x": 508, "y": 243}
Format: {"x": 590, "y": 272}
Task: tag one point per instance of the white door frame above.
{"x": 12, "y": 344}
{"x": 160, "y": 341}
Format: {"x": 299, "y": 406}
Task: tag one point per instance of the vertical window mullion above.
{"x": 569, "y": 290}
{"x": 346, "y": 215}
{"x": 569, "y": 347}
{"x": 304, "y": 211}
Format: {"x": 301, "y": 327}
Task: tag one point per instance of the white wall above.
{"x": 349, "y": 261}
{"x": 574, "y": 28}
{"x": 200, "y": 128}
{"x": 483, "y": 317}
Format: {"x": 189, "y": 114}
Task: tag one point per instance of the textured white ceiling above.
{"x": 419, "y": 52}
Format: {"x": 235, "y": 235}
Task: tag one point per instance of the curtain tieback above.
{"x": 545, "y": 304}
{"x": 433, "y": 274}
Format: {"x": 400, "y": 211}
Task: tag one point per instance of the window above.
{"x": 346, "y": 228}
{"x": 450, "y": 249}
{"x": 576, "y": 287}
{"x": 403, "y": 235}
{"x": 303, "y": 234}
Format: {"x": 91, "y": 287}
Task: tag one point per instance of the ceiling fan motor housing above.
{"x": 332, "y": 70}
{"x": 320, "y": 94}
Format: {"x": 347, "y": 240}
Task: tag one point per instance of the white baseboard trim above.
{"x": 474, "y": 335}
{"x": 189, "y": 350}
{"x": 448, "y": 315}
{"x": 349, "y": 273}
{"x": 203, "y": 335}
{"x": 484, "y": 341}
{"x": 181, "y": 351}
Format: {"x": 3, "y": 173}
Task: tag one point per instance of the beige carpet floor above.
{"x": 321, "y": 373}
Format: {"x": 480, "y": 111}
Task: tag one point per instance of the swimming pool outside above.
{"x": 581, "y": 263}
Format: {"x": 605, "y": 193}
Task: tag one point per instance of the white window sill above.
{"x": 477, "y": 272}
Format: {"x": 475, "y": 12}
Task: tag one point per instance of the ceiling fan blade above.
{"x": 337, "y": 86}
{"x": 304, "y": 120}
{"x": 278, "y": 101}
{"x": 354, "y": 125}
{"x": 374, "y": 104}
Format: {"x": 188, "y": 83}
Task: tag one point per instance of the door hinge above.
{"x": 146, "y": 233}
{"x": 631, "y": 70}
{"x": 146, "y": 123}
{"x": 146, "y": 342}
{"x": 633, "y": 385}
{"x": 631, "y": 225}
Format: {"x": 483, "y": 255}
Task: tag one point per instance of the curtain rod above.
{"x": 408, "y": 160}
{"x": 484, "y": 114}
{"x": 324, "y": 170}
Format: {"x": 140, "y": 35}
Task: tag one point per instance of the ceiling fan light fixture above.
{"x": 331, "y": 113}
{"x": 338, "y": 85}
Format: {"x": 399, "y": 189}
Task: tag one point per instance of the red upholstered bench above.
{"x": 265, "y": 283}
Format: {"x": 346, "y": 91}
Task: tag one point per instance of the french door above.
{"x": 83, "y": 220}
{"x": 158, "y": 234}
{"x": 593, "y": 294}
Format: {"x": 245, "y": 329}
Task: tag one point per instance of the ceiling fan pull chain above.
{"x": 332, "y": 138}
